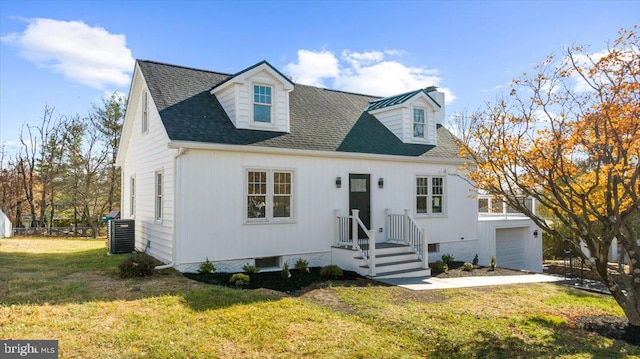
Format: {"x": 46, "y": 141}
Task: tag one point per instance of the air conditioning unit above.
{"x": 122, "y": 236}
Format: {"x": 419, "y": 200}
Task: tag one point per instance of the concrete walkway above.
{"x": 464, "y": 282}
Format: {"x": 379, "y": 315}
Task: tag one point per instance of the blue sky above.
{"x": 69, "y": 54}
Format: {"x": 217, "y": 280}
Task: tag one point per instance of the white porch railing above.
{"x": 366, "y": 246}
{"x": 404, "y": 229}
{"x": 494, "y": 206}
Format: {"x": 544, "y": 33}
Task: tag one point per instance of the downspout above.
{"x": 181, "y": 151}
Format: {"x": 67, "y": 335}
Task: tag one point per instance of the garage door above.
{"x": 510, "y": 251}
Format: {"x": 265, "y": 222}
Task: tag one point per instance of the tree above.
{"x": 86, "y": 173}
{"x": 569, "y": 136}
{"x": 109, "y": 122}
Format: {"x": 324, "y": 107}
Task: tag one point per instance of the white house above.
{"x": 6, "y": 229}
{"x": 252, "y": 168}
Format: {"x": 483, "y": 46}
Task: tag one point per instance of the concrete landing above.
{"x": 427, "y": 283}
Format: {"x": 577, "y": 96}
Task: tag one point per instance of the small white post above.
{"x": 533, "y": 205}
{"x": 425, "y": 249}
{"x": 406, "y": 227}
{"x": 387, "y": 223}
{"x": 336, "y": 226}
{"x": 504, "y": 207}
{"x": 372, "y": 253}
{"x": 355, "y": 214}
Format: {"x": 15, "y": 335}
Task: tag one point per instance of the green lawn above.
{"x": 69, "y": 290}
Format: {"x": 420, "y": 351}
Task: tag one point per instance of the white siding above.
{"x": 146, "y": 154}
{"x": 394, "y": 121}
{"x": 211, "y": 205}
{"x": 227, "y": 99}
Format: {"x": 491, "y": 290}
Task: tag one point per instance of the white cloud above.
{"x": 312, "y": 67}
{"x": 369, "y": 72}
{"x": 87, "y": 55}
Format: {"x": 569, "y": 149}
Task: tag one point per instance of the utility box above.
{"x": 122, "y": 236}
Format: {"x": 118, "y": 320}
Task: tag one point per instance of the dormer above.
{"x": 256, "y": 98}
{"x": 413, "y": 116}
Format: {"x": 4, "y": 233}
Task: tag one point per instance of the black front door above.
{"x": 360, "y": 198}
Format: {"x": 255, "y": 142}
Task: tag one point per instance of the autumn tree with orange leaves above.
{"x": 569, "y": 136}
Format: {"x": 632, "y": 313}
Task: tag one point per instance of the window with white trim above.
{"x": 132, "y": 196}
{"x": 269, "y": 195}
{"x": 418, "y": 122}
{"x": 262, "y": 103}
{"x": 158, "y": 195}
{"x": 145, "y": 111}
{"x": 430, "y": 195}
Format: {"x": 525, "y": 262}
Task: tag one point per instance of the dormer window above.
{"x": 418, "y": 122}
{"x": 262, "y": 103}
{"x": 256, "y": 98}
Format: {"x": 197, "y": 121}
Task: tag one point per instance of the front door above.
{"x": 360, "y": 198}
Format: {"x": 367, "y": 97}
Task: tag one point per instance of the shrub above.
{"x": 302, "y": 265}
{"x": 448, "y": 259}
{"x": 206, "y": 267}
{"x": 285, "y": 274}
{"x": 240, "y": 279}
{"x": 493, "y": 263}
{"x": 467, "y": 267}
{"x": 440, "y": 266}
{"x": 331, "y": 271}
{"x": 137, "y": 265}
{"x": 250, "y": 269}
{"x": 475, "y": 260}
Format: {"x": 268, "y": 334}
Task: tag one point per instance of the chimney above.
{"x": 438, "y": 96}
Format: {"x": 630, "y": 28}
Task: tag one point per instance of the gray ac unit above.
{"x": 121, "y": 235}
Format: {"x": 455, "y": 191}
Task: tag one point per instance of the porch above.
{"x": 403, "y": 254}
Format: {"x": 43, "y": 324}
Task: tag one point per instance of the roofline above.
{"x": 414, "y": 92}
{"x": 434, "y": 101}
{"x": 263, "y": 62}
{"x": 184, "y": 67}
{"x": 313, "y": 153}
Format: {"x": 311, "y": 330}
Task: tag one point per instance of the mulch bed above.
{"x": 611, "y": 327}
{"x": 456, "y": 271}
{"x": 273, "y": 280}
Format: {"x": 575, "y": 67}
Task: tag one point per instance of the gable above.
{"x": 132, "y": 125}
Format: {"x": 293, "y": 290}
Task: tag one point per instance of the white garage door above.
{"x": 510, "y": 251}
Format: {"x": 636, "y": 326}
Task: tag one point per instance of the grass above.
{"x": 69, "y": 290}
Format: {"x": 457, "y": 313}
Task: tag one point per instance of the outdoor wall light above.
{"x": 338, "y": 182}
{"x": 535, "y": 233}
{"x": 380, "y": 182}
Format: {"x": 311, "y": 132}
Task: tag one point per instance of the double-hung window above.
{"x": 132, "y": 196}
{"x": 262, "y": 103}
{"x": 158, "y": 190}
{"x": 269, "y": 195}
{"x": 430, "y": 195}
{"x": 145, "y": 112}
{"x": 418, "y": 122}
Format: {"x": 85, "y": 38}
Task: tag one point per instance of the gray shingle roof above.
{"x": 321, "y": 119}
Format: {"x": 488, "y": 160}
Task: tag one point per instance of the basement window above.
{"x": 268, "y": 262}
{"x": 433, "y": 247}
